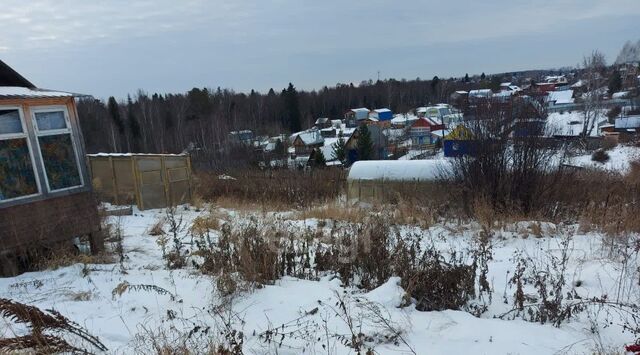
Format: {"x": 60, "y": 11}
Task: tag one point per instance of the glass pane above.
{"x": 16, "y": 171}
{"x": 50, "y": 120}
{"x": 10, "y": 122}
{"x": 59, "y": 161}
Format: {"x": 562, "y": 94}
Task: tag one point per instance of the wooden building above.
{"x": 46, "y": 201}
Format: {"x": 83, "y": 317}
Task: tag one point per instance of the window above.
{"x": 56, "y": 146}
{"x": 17, "y": 174}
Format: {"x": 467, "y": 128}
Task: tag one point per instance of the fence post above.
{"x": 115, "y": 181}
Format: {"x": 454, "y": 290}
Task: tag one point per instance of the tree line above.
{"x": 201, "y": 119}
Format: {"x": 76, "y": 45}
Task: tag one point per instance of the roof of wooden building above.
{"x": 10, "y": 77}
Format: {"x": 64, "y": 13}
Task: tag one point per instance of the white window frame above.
{"x": 23, "y": 135}
{"x": 68, "y": 130}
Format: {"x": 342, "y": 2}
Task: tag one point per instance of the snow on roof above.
{"x": 327, "y": 149}
{"x": 439, "y": 133}
{"x": 404, "y": 118}
{"x": 22, "y": 92}
{"x": 620, "y": 95}
{"x": 381, "y": 110}
{"x": 578, "y": 84}
{"x": 561, "y": 97}
{"x": 503, "y": 93}
{"x": 311, "y": 137}
{"x": 627, "y": 122}
{"x": 133, "y": 154}
{"x": 361, "y": 109}
{"x": 480, "y": 93}
{"x": 399, "y": 170}
{"x": 569, "y": 124}
{"x": 462, "y": 92}
{"x": 421, "y": 109}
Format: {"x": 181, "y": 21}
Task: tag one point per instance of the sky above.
{"x": 116, "y": 47}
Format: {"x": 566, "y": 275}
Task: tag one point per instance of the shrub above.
{"x": 600, "y": 156}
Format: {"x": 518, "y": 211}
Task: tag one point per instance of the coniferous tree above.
{"x": 318, "y": 159}
{"x": 434, "y": 83}
{"x": 495, "y": 83}
{"x": 482, "y": 76}
{"x": 466, "y": 78}
{"x": 292, "y": 114}
{"x": 365, "y": 144}
{"x": 615, "y": 82}
{"x": 340, "y": 151}
{"x": 114, "y": 113}
{"x": 134, "y": 126}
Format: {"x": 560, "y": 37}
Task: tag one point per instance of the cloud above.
{"x": 117, "y": 46}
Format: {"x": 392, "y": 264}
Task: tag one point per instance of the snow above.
{"x": 18, "y": 91}
{"x": 620, "y": 95}
{"x": 627, "y": 122}
{"x": 398, "y": 170}
{"x": 620, "y": 159}
{"x": 119, "y": 319}
{"x": 569, "y": 124}
{"x": 561, "y": 97}
{"x": 132, "y": 154}
{"x": 480, "y": 93}
{"x": 404, "y": 119}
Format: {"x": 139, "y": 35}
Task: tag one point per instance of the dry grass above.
{"x": 59, "y": 258}
{"x": 205, "y": 223}
{"x": 271, "y": 189}
{"x": 334, "y": 211}
{"x": 157, "y": 228}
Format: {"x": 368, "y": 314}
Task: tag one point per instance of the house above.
{"x": 544, "y": 87}
{"x": 241, "y": 137}
{"x": 420, "y": 132}
{"x": 556, "y": 79}
{"x": 378, "y": 138}
{"x": 46, "y": 199}
{"x": 328, "y": 132}
{"x": 356, "y": 115}
{"x": 322, "y": 122}
{"x": 560, "y": 99}
{"x": 381, "y": 114}
{"x": 305, "y": 142}
{"x": 403, "y": 120}
{"x": 630, "y": 124}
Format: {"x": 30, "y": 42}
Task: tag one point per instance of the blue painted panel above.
{"x": 457, "y": 148}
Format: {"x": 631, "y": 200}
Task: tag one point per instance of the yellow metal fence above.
{"x": 146, "y": 180}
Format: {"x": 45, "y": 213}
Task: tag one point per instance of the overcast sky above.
{"x": 116, "y": 47}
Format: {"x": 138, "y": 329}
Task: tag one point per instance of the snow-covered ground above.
{"x": 85, "y": 294}
{"x": 620, "y": 159}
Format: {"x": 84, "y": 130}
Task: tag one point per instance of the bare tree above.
{"x": 594, "y": 67}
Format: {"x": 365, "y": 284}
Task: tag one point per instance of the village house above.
{"x": 420, "y": 132}
{"x": 381, "y": 114}
{"x": 46, "y": 199}
{"x": 355, "y": 116}
{"x": 241, "y": 137}
{"x": 322, "y": 122}
{"x": 305, "y": 142}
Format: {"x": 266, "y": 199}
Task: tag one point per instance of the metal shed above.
{"x": 146, "y": 180}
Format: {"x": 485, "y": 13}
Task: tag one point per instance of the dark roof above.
{"x": 9, "y": 77}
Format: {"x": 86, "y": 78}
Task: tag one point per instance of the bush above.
{"x": 600, "y": 156}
